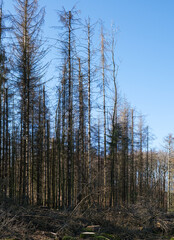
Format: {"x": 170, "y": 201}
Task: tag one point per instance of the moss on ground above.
{"x": 69, "y": 238}
{"x": 100, "y": 237}
{"x": 87, "y": 229}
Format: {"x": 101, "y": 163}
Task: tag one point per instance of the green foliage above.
{"x": 87, "y": 229}
{"x": 69, "y": 238}
{"x": 108, "y": 235}
{"x": 101, "y": 237}
{"x": 8, "y": 239}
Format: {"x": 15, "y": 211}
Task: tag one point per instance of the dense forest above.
{"x": 92, "y": 146}
{"x": 75, "y": 158}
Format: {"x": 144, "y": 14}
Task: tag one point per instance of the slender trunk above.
{"x": 48, "y": 163}
{"x": 1, "y": 111}
{"x": 3, "y": 151}
{"x": 44, "y": 147}
{"x": 81, "y": 135}
{"x": 114, "y": 142}
{"x": 53, "y": 173}
{"x": 147, "y": 161}
{"x": 104, "y": 109}
{"x": 140, "y": 158}
{"x": 6, "y": 144}
{"x": 63, "y": 156}
{"x": 39, "y": 159}
{"x": 99, "y": 165}
{"x": 59, "y": 153}
{"x": 32, "y": 155}
{"x": 132, "y": 183}
{"x": 21, "y": 162}
{"x": 13, "y": 156}
{"x": 69, "y": 156}
{"x": 89, "y": 104}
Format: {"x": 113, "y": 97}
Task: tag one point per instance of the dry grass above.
{"x": 140, "y": 221}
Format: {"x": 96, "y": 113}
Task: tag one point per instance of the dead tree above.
{"x": 104, "y": 107}
{"x": 3, "y": 103}
{"x": 114, "y": 133}
{"x": 89, "y": 102}
{"x": 68, "y": 19}
{"x": 28, "y": 54}
{"x": 132, "y": 172}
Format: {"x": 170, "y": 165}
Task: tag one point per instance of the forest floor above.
{"x": 140, "y": 221}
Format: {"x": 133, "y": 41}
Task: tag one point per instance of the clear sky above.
{"x": 145, "y": 49}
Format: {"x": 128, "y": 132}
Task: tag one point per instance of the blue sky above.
{"x": 145, "y": 49}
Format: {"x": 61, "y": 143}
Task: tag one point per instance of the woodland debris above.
{"x": 94, "y": 228}
{"x": 139, "y": 221}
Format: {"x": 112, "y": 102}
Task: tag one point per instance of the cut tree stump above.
{"x": 87, "y": 235}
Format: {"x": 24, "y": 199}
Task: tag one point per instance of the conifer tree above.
{"x": 28, "y": 54}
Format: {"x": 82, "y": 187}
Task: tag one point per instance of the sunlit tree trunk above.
{"x": 104, "y": 109}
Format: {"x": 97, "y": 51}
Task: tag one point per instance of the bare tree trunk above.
{"x": 81, "y": 137}
{"x": 13, "y": 156}
{"x": 147, "y": 159}
{"x": 69, "y": 156}
{"x": 114, "y": 140}
{"x": 132, "y": 180}
{"x": 124, "y": 156}
{"x": 63, "y": 156}
{"x": 99, "y": 165}
{"x": 3, "y": 151}
{"x": 104, "y": 109}
{"x": 9, "y": 167}
{"x": 6, "y": 144}
{"x": 48, "y": 163}
{"x": 89, "y": 104}
{"x": 53, "y": 173}
{"x": 59, "y": 152}
{"x": 44, "y": 148}
{"x": 32, "y": 155}
{"x": 21, "y": 161}
{"x": 1, "y": 159}
{"x": 140, "y": 157}
{"x": 24, "y": 102}
{"x": 39, "y": 159}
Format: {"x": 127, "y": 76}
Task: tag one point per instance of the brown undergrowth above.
{"x": 140, "y": 221}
